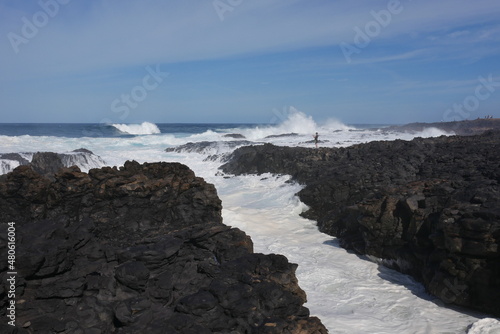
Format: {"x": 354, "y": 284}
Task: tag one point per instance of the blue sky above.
{"x": 248, "y": 60}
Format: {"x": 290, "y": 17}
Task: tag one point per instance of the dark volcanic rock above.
{"x": 46, "y": 162}
{"x": 234, "y": 135}
{"x": 292, "y": 134}
{"x": 430, "y": 207}
{"x": 49, "y": 163}
{"x": 463, "y": 128}
{"x": 140, "y": 249}
{"x": 208, "y": 146}
{"x": 83, "y": 150}
{"x": 313, "y": 142}
{"x": 216, "y": 150}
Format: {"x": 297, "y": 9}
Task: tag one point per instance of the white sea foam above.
{"x": 208, "y": 135}
{"x": 332, "y": 124}
{"x": 349, "y": 294}
{"x": 433, "y": 132}
{"x": 85, "y": 161}
{"x": 485, "y": 326}
{"x": 296, "y": 122}
{"x": 7, "y": 166}
{"x": 144, "y": 128}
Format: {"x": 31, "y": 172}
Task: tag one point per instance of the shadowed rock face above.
{"x": 429, "y": 206}
{"x": 140, "y": 249}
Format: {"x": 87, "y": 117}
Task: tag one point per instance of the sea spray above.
{"x": 145, "y": 128}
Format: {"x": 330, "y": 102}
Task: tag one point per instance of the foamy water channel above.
{"x": 350, "y": 294}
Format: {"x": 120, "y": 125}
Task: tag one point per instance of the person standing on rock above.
{"x": 316, "y": 141}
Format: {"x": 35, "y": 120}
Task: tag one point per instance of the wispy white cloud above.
{"x": 114, "y": 34}
{"x": 461, "y": 33}
{"x": 393, "y": 57}
{"x": 100, "y": 42}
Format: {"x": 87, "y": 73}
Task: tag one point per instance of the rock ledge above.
{"x": 140, "y": 249}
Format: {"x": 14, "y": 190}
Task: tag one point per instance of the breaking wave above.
{"x": 84, "y": 160}
{"x": 296, "y": 122}
{"x": 145, "y": 128}
{"x": 7, "y": 166}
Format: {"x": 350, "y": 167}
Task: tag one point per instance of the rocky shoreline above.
{"x": 427, "y": 207}
{"x": 140, "y": 249}
{"x": 462, "y": 128}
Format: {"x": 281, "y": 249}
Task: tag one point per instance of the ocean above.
{"x": 350, "y": 294}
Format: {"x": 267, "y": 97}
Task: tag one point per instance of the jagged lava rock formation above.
{"x": 140, "y": 249}
{"x": 49, "y": 162}
{"x": 428, "y": 207}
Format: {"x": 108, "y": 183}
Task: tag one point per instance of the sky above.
{"x": 248, "y": 61}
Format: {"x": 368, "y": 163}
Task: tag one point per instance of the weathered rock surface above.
{"x": 430, "y": 207}
{"x": 234, "y": 135}
{"x": 49, "y": 163}
{"x": 292, "y": 134}
{"x": 463, "y": 128}
{"x": 140, "y": 249}
{"x": 208, "y": 146}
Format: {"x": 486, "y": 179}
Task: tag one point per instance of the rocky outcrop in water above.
{"x": 48, "y": 162}
{"x": 215, "y": 150}
{"x": 207, "y": 147}
{"x": 234, "y": 135}
{"x": 140, "y": 249}
{"x": 428, "y": 207}
{"x": 14, "y": 157}
{"x": 292, "y": 134}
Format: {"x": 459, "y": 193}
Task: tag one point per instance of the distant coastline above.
{"x": 463, "y": 128}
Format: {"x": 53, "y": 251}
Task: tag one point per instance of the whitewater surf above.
{"x": 348, "y": 293}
